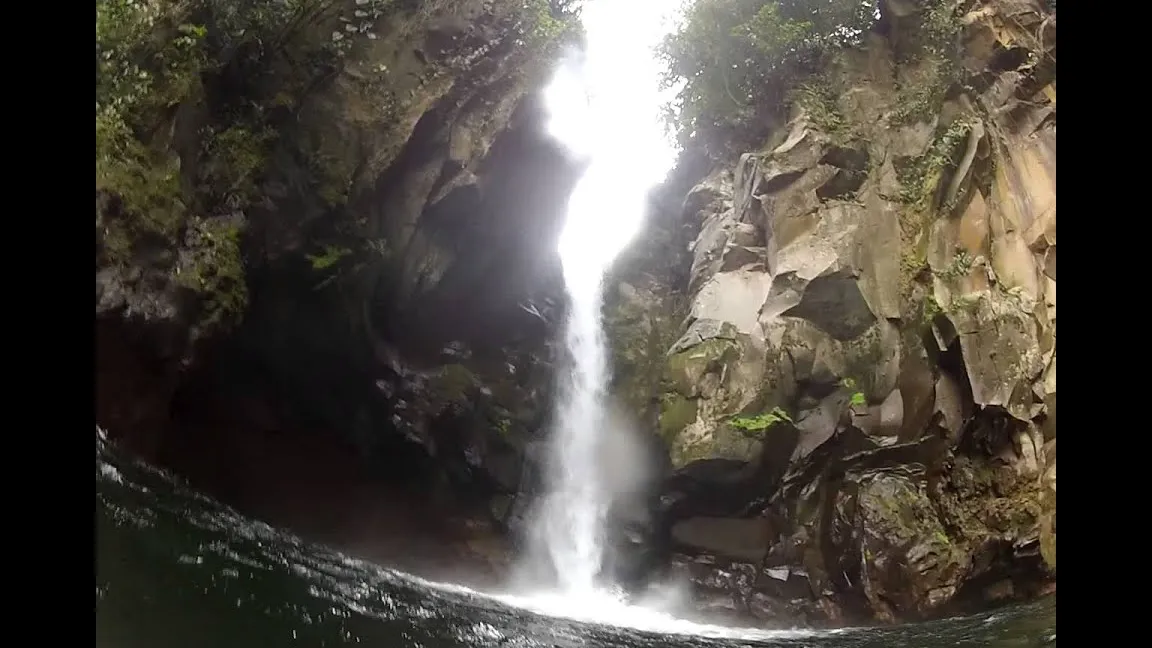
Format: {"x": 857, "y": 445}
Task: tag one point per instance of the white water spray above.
{"x": 604, "y": 107}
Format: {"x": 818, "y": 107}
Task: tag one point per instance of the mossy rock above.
{"x": 676, "y": 413}
{"x": 1048, "y": 508}
{"x": 714, "y": 441}
{"x": 757, "y": 425}
{"x": 1048, "y": 539}
{"x": 911, "y": 562}
{"x": 690, "y": 437}
{"x": 683, "y": 370}
{"x": 988, "y": 500}
{"x": 629, "y": 335}
{"x": 213, "y": 268}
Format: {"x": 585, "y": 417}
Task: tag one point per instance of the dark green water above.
{"x": 176, "y": 569}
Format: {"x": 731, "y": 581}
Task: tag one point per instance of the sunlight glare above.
{"x": 605, "y": 107}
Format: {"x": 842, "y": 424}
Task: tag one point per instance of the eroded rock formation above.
{"x": 864, "y": 349}
{"x": 332, "y": 218}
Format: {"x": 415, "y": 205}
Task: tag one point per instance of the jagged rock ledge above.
{"x": 854, "y": 373}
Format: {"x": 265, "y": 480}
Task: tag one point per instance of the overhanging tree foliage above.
{"x": 738, "y": 59}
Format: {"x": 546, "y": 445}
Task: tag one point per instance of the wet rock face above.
{"x": 383, "y": 271}
{"x": 910, "y": 564}
{"x": 736, "y": 539}
{"x": 377, "y": 143}
{"x": 744, "y": 593}
{"x": 866, "y": 363}
{"x": 460, "y": 362}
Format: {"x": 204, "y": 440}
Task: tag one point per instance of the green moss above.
{"x": 857, "y": 398}
{"x": 733, "y": 57}
{"x": 503, "y": 427}
{"x": 920, "y": 102}
{"x": 960, "y": 266}
{"x": 921, "y": 312}
{"x": 934, "y": 46}
{"x": 722, "y": 442}
{"x": 896, "y": 500}
{"x": 632, "y": 364}
{"x": 149, "y": 60}
{"x": 216, "y": 271}
{"x": 199, "y": 102}
{"x": 676, "y": 413}
{"x": 143, "y": 184}
{"x": 760, "y": 422}
{"x": 173, "y": 153}
{"x": 540, "y": 26}
{"x": 684, "y": 369}
{"x": 982, "y": 499}
{"x": 930, "y": 309}
{"x": 330, "y": 256}
{"x": 913, "y": 260}
{"x": 919, "y": 177}
{"x": 683, "y": 455}
{"x": 233, "y": 160}
{"x": 147, "y": 57}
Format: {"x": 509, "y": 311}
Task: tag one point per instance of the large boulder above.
{"x": 910, "y": 565}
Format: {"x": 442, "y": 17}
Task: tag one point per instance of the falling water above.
{"x": 605, "y": 107}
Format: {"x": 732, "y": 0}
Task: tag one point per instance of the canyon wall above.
{"x": 328, "y": 218}
{"x": 854, "y": 373}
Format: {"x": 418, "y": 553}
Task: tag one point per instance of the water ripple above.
{"x": 175, "y": 568}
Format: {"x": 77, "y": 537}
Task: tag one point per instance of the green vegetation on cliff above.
{"x": 208, "y": 109}
{"x": 182, "y": 135}
{"x": 745, "y": 64}
{"x": 137, "y": 79}
{"x": 190, "y": 90}
{"x": 742, "y": 63}
{"x": 760, "y": 422}
{"x": 737, "y": 59}
{"x": 906, "y": 322}
{"x": 933, "y": 48}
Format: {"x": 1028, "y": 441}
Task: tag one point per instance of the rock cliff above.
{"x": 328, "y": 216}
{"x": 854, "y": 373}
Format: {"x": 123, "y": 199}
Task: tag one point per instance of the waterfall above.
{"x": 605, "y": 107}
{"x": 571, "y": 519}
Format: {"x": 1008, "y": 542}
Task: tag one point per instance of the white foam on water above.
{"x": 604, "y": 608}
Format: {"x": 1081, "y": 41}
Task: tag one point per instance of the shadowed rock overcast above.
{"x": 329, "y": 289}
